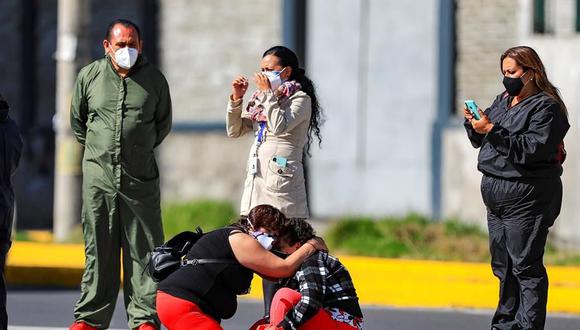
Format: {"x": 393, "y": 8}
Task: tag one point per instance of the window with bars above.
{"x": 544, "y": 15}
{"x": 543, "y": 22}
{"x": 539, "y": 16}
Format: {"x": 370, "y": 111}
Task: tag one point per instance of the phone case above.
{"x": 281, "y": 161}
{"x": 472, "y": 106}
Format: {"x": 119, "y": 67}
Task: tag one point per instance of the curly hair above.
{"x": 267, "y": 217}
{"x": 297, "y": 230}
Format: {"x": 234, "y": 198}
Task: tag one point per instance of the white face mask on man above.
{"x": 126, "y": 57}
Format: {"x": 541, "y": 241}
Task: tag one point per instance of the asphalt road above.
{"x": 37, "y": 309}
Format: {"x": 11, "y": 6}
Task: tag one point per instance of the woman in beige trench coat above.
{"x": 284, "y": 115}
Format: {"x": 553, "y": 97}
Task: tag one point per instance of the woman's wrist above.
{"x": 311, "y": 248}
{"x": 488, "y": 128}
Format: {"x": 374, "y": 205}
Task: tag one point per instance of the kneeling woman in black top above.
{"x": 199, "y": 296}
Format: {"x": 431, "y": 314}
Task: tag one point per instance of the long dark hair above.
{"x": 530, "y": 60}
{"x": 288, "y": 58}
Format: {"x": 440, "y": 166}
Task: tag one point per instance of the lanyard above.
{"x": 260, "y": 136}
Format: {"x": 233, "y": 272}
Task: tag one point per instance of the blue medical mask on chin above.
{"x": 274, "y": 78}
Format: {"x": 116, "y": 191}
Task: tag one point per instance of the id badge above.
{"x": 253, "y": 165}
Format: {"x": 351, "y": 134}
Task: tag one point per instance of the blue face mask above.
{"x": 274, "y": 78}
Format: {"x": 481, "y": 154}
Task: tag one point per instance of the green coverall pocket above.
{"x": 142, "y": 164}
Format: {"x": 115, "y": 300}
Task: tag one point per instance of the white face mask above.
{"x": 126, "y": 57}
{"x": 274, "y": 78}
{"x": 266, "y": 240}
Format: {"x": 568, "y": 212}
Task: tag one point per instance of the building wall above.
{"x": 560, "y": 56}
{"x": 375, "y": 70}
{"x": 558, "y": 51}
{"x": 483, "y": 33}
{"x": 203, "y": 46}
{"x": 27, "y": 75}
{"x": 10, "y": 16}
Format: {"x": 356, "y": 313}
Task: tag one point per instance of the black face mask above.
{"x": 513, "y": 85}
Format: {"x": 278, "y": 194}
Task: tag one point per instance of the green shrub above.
{"x": 363, "y": 237}
{"x": 413, "y": 236}
{"x": 207, "y": 214}
{"x": 455, "y": 228}
{"x": 417, "y": 237}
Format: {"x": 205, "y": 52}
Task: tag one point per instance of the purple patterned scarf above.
{"x": 283, "y": 92}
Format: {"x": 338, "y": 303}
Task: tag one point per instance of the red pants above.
{"x": 177, "y": 314}
{"x": 285, "y": 299}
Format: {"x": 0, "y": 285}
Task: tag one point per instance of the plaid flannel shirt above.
{"x": 321, "y": 280}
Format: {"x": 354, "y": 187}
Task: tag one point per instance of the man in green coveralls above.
{"x": 120, "y": 111}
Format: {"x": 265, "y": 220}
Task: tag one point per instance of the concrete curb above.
{"x": 387, "y": 282}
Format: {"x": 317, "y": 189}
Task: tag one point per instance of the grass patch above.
{"x": 177, "y": 217}
{"x": 562, "y": 258}
{"x": 207, "y": 214}
{"x": 418, "y": 237}
{"x": 413, "y": 236}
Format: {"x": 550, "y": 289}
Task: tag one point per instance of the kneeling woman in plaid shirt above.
{"x": 321, "y": 294}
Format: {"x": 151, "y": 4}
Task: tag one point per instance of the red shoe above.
{"x": 147, "y": 326}
{"x": 80, "y": 325}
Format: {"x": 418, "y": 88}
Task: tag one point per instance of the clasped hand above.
{"x": 240, "y": 84}
{"x": 318, "y": 243}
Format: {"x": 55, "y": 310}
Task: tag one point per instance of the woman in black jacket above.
{"x": 10, "y": 151}
{"x": 520, "y": 137}
{"x": 200, "y": 296}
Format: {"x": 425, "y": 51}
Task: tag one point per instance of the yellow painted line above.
{"x": 392, "y": 282}
{"x": 443, "y": 284}
{"x": 44, "y": 276}
{"x": 47, "y": 255}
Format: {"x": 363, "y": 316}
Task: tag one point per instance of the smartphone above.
{"x": 472, "y": 106}
{"x": 281, "y": 161}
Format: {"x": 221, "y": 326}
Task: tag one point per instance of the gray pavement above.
{"x": 52, "y": 309}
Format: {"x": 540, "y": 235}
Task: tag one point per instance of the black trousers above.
{"x": 6, "y": 216}
{"x": 4, "y": 247}
{"x": 519, "y": 215}
{"x": 270, "y": 289}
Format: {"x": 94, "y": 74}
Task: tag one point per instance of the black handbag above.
{"x": 167, "y": 258}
